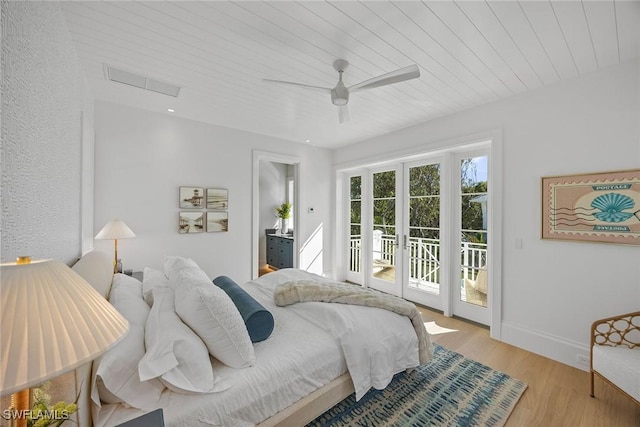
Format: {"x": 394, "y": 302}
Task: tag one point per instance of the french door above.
{"x": 384, "y": 228}
{"x": 470, "y": 296}
{"x": 419, "y": 230}
{"x": 424, "y": 231}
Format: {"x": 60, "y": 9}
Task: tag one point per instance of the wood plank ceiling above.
{"x": 469, "y": 53}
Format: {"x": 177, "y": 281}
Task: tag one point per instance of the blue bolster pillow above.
{"x": 257, "y": 319}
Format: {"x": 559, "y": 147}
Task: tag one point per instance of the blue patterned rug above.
{"x": 451, "y": 390}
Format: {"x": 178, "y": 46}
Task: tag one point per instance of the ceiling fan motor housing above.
{"x": 340, "y": 94}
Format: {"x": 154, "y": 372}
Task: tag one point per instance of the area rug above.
{"x": 451, "y": 390}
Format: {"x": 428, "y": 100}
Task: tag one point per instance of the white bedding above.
{"x": 376, "y": 343}
{"x": 312, "y": 344}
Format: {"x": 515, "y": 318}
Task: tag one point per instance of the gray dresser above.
{"x": 279, "y": 250}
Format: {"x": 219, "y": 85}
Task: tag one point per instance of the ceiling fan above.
{"x": 340, "y": 93}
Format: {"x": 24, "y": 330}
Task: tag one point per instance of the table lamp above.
{"x": 115, "y": 230}
{"x": 51, "y": 322}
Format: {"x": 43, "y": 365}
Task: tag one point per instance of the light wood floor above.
{"x": 557, "y": 394}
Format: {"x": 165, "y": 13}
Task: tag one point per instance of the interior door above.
{"x": 425, "y": 267}
{"x": 385, "y": 266}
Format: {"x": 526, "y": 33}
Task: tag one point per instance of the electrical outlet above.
{"x": 581, "y": 358}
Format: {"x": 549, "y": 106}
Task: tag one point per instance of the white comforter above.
{"x": 312, "y": 344}
{"x": 376, "y": 343}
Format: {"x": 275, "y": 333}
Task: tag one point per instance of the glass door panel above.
{"x": 422, "y": 233}
{"x": 355, "y": 224}
{"x": 424, "y": 228}
{"x": 384, "y": 237}
{"x": 473, "y": 289}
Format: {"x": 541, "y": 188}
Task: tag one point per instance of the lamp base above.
{"x": 20, "y": 403}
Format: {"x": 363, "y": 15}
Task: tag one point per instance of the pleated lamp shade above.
{"x": 52, "y": 321}
{"x": 115, "y": 229}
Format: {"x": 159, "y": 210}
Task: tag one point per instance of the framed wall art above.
{"x": 191, "y": 197}
{"x": 596, "y": 207}
{"x": 191, "y": 222}
{"x": 217, "y": 198}
{"x": 217, "y": 221}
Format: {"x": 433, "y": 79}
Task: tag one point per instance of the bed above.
{"x": 299, "y": 371}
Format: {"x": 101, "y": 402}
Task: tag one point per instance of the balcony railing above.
{"x": 424, "y": 257}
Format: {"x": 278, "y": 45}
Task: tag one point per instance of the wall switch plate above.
{"x": 518, "y": 243}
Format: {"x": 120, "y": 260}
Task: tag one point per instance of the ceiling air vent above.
{"x": 143, "y": 82}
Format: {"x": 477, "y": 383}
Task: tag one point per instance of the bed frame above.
{"x": 314, "y": 404}
{"x": 97, "y": 269}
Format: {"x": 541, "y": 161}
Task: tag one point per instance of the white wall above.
{"x": 44, "y": 100}
{"x": 552, "y": 290}
{"x": 141, "y": 160}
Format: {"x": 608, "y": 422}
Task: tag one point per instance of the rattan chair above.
{"x": 616, "y": 341}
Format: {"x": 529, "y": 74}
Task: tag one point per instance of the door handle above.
{"x": 404, "y": 241}
{"x": 397, "y": 243}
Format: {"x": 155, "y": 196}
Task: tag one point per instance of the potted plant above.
{"x": 284, "y": 213}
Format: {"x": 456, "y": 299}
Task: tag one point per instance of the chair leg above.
{"x": 591, "y": 394}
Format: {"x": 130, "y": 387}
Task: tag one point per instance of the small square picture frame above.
{"x": 217, "y": 221}
{"x": 190, "y": 222}
{"x": 217, "y": 198}
{"x": 191, "y": 198}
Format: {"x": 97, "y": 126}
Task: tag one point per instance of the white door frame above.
{"x": 258, "y": 156}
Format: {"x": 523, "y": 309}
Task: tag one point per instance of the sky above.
{"x": 481, "y": 168}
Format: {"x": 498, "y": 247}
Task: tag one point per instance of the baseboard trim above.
{"x": 554, "y": 347}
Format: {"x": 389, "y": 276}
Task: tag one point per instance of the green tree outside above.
{"x": 424, "y": 202}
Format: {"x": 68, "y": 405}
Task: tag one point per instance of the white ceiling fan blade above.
{"x": 406, "y": 73}
{"x": 343, "y": 114}
{"x": 316, "y": 88}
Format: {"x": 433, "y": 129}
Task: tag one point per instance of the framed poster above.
{"x": 191, "y": 198}
{"x": 597, "y": 207}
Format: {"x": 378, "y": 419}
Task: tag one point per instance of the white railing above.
{"x": 424, "y": 260}
{"x": 424, "y": 257}
{"x": 355, "y": 258}
{"x": 474, "y": 257}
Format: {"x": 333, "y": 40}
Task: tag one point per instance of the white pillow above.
{"x": 152, "y": 279}
{"x": 174, "y": 264}
{"x": 174, "y": 352}
{"x": 115, "y": 375}
{"x": 211, "y": 314}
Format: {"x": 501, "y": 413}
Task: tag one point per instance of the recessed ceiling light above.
{"x": 307, "y": 141}
{"x": 171, "y": 110}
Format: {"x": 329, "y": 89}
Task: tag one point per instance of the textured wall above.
{"x": 42, "y": 100}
